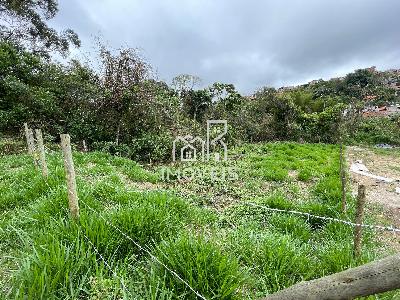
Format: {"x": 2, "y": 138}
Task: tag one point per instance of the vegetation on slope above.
{"x": 127, "y": 112}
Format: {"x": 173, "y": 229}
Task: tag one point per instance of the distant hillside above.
{"x": 370, "y": 85}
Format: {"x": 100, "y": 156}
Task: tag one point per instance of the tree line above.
{"x": 120, "y": 106}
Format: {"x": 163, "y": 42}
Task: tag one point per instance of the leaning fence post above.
{"x": 70, "y": 175}
{"x": 85, "y": 148}
{"x": 30, "y": 150}
{"x": 42, "y": 154}
{"x": 359, "y": 220}
{"x": 31, "y": 145}
{"x": 343, "y": 178}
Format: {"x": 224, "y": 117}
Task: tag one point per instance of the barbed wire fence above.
{"x": 113, "y": 272}
{"x": 146, "y": 250}
{"x": 142, "y": 248}
{"x": 74, "y": 209}
{"x": 97, "y": 251}
{"x": 308, "y": 215}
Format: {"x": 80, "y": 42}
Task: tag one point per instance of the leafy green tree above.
{"x": 322, "y": 126}
{"x": 225, "y": 95}
{"x": 255, "y": 116}
{"x": 359, "y": 84}
{"x": 24, "y": 23}
{"x": 185, "y": 82}
{"x": 20, "y": 83}
{"x": 121, "y": 75}
{"x": 196, "y": 103}
{"x": 56, "y": 98}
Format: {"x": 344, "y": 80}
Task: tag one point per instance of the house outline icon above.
{"x": 187, "y": 157}
{"x": 188, "y": 140}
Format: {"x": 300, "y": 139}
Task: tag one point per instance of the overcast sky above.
{"x": 250, "y": 43}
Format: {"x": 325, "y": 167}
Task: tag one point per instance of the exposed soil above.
{"x": 382, "y": 199}
{"x": 141, "y": 186}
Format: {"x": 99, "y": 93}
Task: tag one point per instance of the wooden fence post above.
{"x": 31, "y": 142}
{"x": 369, "y": 279}
{"x": 28, "y": 141}
{"x": 359, "y": 220}
{"x": 85, "y": 148}
{"x": 42, "y": 154}
{"x": 70, "y": 175}
{"x": 343, "y": 177}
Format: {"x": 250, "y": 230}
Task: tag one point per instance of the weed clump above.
{"x": 202, "y": 265}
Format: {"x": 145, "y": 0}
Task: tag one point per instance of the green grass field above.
{"x": 201, "y": 229}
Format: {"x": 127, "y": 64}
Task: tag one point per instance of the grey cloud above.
{"x": 249, "y": 43}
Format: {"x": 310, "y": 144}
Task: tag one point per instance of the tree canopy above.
{"x": 24, "y": 22}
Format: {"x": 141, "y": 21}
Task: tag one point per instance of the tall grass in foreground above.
{"x": 202, "y": 265}
{"x": 240, "y": 252}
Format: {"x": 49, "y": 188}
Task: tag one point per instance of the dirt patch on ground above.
{"x": 222, "y": 202}
{"x": 142, "y": 186}
{"x": 382, "y": 199}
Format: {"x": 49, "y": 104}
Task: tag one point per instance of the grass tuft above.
{"x": 203, "y": 265}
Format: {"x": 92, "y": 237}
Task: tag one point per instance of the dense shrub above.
{"x": 129, "y": 113}
{"x": 377, "y": 131}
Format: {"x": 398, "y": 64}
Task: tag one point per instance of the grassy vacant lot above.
{"x": 201, "y": 228}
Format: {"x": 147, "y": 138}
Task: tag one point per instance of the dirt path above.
{"x": 382, "y": 199}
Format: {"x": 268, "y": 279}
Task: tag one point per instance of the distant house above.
{"x": 369, "y": 97}
{"x": 395, "y": 86}
{"x": 337, "y": 78}
{"x": 383, "y": 111}
{"x": 286, "y": 88}
{"x": 394, "y": 109}
{"x": 313, "y": 82}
